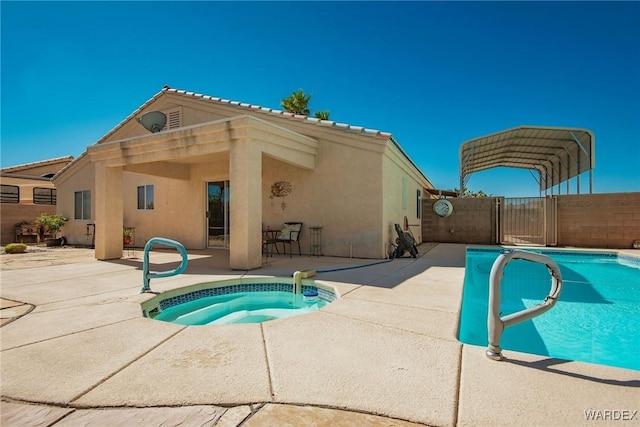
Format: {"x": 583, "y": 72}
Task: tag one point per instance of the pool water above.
{"x": 596, "y": 319}
{"x": 240, "y": 307}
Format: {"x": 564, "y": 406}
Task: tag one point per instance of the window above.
{"x": 10, "y": 194}
{"x": 418, "y": 203}
{"x": 44, "y": 196}
{"x": 82, "y": 208}
{"x": 145, "y": 197}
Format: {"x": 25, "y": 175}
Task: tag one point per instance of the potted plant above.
{"x": 126, "y": 236}
{"x": 51, "y": 224}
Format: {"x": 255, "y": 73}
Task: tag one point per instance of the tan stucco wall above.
{"x": 400, "y": 181}
{"x": 79, "y": 179}
{"x": 338, "y": 195}
{"x": 179, "y": 205}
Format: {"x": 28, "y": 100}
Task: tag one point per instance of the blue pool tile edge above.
{"x": 323, "y": 294}
{"x": 626, "y": 258}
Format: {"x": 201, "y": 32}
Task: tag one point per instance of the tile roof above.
{"x": 36, "y": 164}
{"x": 254, "y": 108}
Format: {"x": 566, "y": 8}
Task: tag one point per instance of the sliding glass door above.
{"x": 218, "y": 214}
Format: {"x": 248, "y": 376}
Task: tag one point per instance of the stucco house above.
{"x": 27, "y": 191}
{"x": 210, "y": 177}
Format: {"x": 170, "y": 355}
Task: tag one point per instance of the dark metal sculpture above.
{"x": 405, "y": 242}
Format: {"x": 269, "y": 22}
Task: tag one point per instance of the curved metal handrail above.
{"x": 497, "y": 324}
{"x": 147, "y": 276}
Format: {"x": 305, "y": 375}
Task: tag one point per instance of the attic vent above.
{"x": 174, "y": 119}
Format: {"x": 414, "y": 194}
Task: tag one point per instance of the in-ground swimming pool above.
{"x": 236, "y": 301}
{"x": 596, "y": 319}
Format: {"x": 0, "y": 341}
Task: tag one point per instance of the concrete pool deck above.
{"x": 384, "y": 354}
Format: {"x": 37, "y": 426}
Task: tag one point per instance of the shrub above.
{"x": 15, "y": 248}
{"x": 51, "y": 223}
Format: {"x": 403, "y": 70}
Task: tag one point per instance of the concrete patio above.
{"x": 76, "y": 350}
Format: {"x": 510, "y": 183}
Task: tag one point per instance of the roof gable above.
{"x": 169, "y": 99}
{"x": 244, "y": 108}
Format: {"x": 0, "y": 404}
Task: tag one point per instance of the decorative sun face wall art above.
{"x": 281, "y": 189}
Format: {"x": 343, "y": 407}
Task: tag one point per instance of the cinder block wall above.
{"x": 610, "y": 220}
{"x": 599, "y": 220}
{"x": 14, "y": 213}
{"x": 472, "y": 221}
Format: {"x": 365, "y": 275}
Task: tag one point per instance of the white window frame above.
{"x": 84, "y": 206}
{"x": 143, "y": 194}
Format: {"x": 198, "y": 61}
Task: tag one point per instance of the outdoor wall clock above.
{"x": 442, "y": 207}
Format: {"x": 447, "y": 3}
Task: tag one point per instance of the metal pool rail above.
{"x": 497, "y": 324}
{"x": 146, "y": 275}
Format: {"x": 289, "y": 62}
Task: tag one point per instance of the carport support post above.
{"x": 108, "y": 212}
{"x": 245, "y": 176}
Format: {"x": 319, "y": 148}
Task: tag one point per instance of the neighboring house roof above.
{"x": 251, "y": 108}
{"x": 20, "y": 176}
{"x": 27, "y": 166}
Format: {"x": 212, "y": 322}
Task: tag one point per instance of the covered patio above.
{"x": 241, "y": 142}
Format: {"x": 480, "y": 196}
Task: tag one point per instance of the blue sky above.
{"x": 434, "y": 74}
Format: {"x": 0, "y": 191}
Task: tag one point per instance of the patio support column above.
{"x": 245, "y": 176}
{"x": 108, "y": 212}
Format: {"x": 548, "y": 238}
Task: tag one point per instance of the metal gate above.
{"x": 526, "y": 221}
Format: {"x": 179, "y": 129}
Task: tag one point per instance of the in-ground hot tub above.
{"x": 254, "y": 300}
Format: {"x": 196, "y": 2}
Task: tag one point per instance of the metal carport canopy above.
{"x": 557, "y": 153}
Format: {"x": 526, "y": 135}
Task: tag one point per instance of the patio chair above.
{"x": 270, "y": 241}
{"x": 288, "y": 235}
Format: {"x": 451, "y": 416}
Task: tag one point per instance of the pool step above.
{"x": 266, "y": 313}
{"x": 240, "y": 308}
